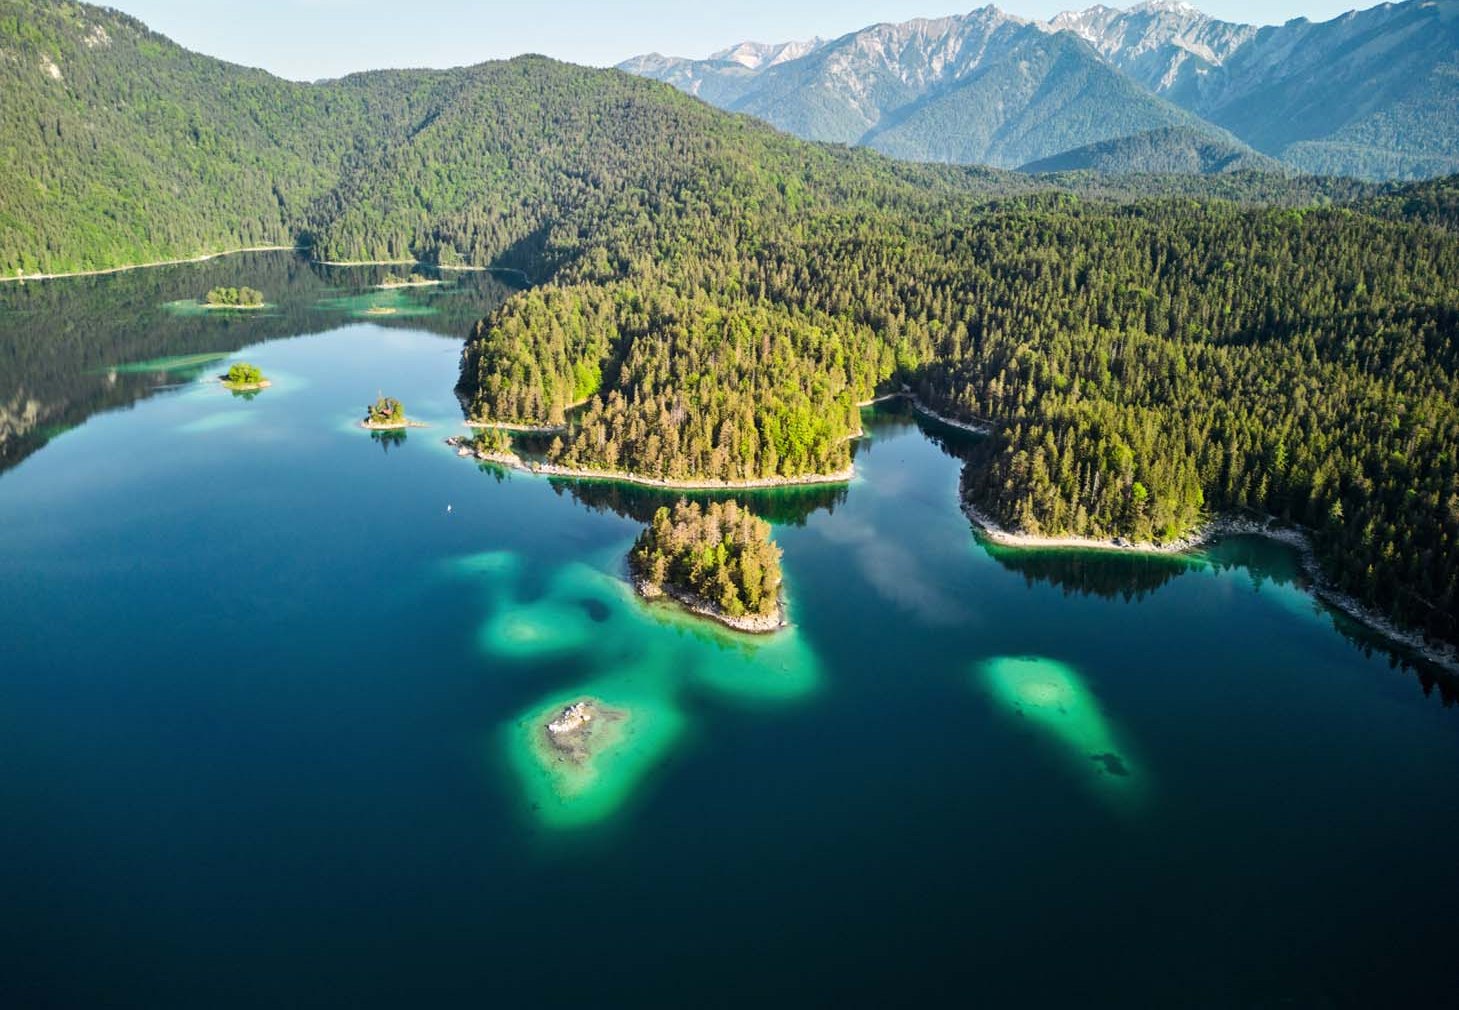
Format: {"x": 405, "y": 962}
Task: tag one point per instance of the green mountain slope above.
{"x": 123, "y": 147}
{"x": 127, "y": 148}
{"x": 1171, "y": 150}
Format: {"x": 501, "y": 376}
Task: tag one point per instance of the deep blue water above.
{"x": 255, "y": 747}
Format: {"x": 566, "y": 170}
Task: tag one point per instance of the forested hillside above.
{"x": 1169, "y": 150}
{"x": 122, "y": 147}
{"x": 1145, "y": 365}
{"x": 716, "y": 297}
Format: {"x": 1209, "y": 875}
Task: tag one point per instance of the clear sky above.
{"x": 308, "y": 39}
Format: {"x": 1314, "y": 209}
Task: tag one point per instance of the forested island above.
{"x": 387, "y": 414}
{"x": 717, "y": 560}
{"x": 1148, "y": 352}
{"x": 233, "y": 298}
{"x": 243, "y": 377}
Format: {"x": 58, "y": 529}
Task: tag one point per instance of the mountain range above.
{"x": 1372, "y": 93}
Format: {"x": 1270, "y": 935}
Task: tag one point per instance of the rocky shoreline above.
{"x": 975, "y": 427}
{"x": 754, "y": 624}
{"x": 1005, "y": 537}
{"x": 573, "y": 733}
{"x": 534, "y": 429}
{"x": 515, "y": 462}
{"x": 1444, "y": 656}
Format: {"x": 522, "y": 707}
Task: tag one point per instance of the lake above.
{"x": 266, "y": 678}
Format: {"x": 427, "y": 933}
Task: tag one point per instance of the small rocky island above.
{"x": 387, "y": 414}
{"x": 233, "y": 298}
{"x": 243, "y": 377}
{"x": 581, "y": 730}
{"x": 717, "y": 561}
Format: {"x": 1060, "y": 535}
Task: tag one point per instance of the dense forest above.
{"x": 718, "y": 553}
{"x": 713, "y": 298}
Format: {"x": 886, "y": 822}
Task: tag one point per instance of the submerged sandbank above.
{"x": 1050, "y": 696}
{"x": 583, "y": 755}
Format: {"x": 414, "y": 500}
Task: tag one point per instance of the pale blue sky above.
{"x": 307, "y": 39}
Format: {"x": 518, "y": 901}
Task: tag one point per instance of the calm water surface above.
{"x": 263, "y": 697}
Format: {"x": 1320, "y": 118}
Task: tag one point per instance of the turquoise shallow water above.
{"x": 264, "y": 705}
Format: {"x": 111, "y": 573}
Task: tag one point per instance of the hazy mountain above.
{"x": 985, "y": 87}
{"x": 726, "y": 75}
{"x": 1164, "y": 44}
{"x": 759, "y": 56}
{"x": 1048, "y": 95}
{"x": 1373, "y": 93}
{"x": 1170, "y": 150}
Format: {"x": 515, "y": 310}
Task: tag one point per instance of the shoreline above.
{"x": 366, "y": 263}
{"x": 532, "y": 429}
{"x": 27, "y": 278}
{"x": 515, "y": 462}
{"x": 401, "y": 426}
{"x": 1442, "y": 655}
{"x": 1005, "y": 537}
{"x": 750, "y": 624}
{"x": 245, "y": 387}
{"x": 973, "y": 427}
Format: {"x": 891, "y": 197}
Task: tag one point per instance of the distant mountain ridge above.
{"x": 1371, "y": 93}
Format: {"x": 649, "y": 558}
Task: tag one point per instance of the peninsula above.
{"x": 717, "y": 561}
{"x": 475, "y": 448}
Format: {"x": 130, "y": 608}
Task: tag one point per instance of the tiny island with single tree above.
{"x": 243, "y": 377}
{"x": 387, "y": 414}
{"x": 233, "y": 298}
{"x": 717, "y": 561}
